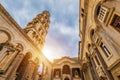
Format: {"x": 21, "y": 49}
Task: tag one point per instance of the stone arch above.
{"x": 21, "y": 44}
{"x": 66, "y": 78}
{"x": 66, "y": 69}
{"x": 4, "y": 36}
{"x": 8, "y": 32}
{"x": 92, "y": 32}
{"x": 96, "y": 10}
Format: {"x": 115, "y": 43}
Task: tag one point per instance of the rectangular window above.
{"x": 105, "y": 50}
{"x": 102, "y": 13}
{"x": 116, "y": 22}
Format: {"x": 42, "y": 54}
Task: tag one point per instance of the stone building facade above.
{"x": 99, "y": 48}
{"x": 66, "y": 68}
{"x": 21, "y": 49}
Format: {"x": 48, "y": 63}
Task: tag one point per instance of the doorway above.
{"x": 66, "y": 78}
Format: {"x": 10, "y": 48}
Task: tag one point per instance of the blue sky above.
{"x": 62, "y": 38}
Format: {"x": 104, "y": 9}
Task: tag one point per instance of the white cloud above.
{"x": 63, "y": 13}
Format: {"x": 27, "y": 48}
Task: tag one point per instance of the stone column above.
{"x": 81, "y": 75}
{"x": 94, "y": 69}
{"x": 96, "y": 77}
{"x": 29, "y": 71}
{"x": 11, "y": 73}
{"x": 35, "y": 74}
{"x": 6, "y": 61}
{"x": 3, "y": 53}
{"x": 43, "y": 68}
{"x": 37, "y": 77}
{"x": 90, "y": 66}
{"x": 71, "y": 73}
{"x": 108, "y": 73}
{"x": 61, "y": 73}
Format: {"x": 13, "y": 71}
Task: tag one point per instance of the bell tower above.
{"x": 37, "y": 29}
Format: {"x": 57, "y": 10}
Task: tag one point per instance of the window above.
{"x": 105, "y": 50}
{"x": 66, "y": 69}
{"x": 57, "y": 73}
{"x": 102, "y": 13}
{"x": 82, "y": 12}
{"x": 92, "y": 34}
{"x": 75, "y": 72}
{"x": 98, "y": 10}
{"x": 116, "y": 22}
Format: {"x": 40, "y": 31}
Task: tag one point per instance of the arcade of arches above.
{"x": 99, "y": 49}
{"x": 21, "y": 56}
{"x": 20, "y": 49}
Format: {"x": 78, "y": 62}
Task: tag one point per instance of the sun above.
{"x": 47, "y": 52}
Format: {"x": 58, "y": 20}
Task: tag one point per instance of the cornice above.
{"x": 7, "y": 15}
{"x": 114, "y": 64}
{"x": 59, "y": 60}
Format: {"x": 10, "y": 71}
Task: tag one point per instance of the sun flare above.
{"x": 47, "y": 52}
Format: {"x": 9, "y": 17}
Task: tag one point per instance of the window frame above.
{"x": 111, "y": 20}
{"x": 106, "y": 51}
{"x": 104, "y": 15}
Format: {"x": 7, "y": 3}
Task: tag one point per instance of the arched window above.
{"x": 66, "y": 69}
{"x": 98, "y": 10}
{"x": 89, "y": 47}
{"x": 92, "y": 34}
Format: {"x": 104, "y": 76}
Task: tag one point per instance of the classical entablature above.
{"x": 65, "y": 60}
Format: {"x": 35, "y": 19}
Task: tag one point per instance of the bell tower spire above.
{"x": 38, "y": 28}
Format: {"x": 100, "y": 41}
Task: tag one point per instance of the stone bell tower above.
{"x": 38, "y": 28}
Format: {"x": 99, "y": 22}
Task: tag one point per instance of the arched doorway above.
{"x": 66, "y": 78}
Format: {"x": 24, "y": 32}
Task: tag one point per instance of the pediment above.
{"x": 66, "y": 59}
